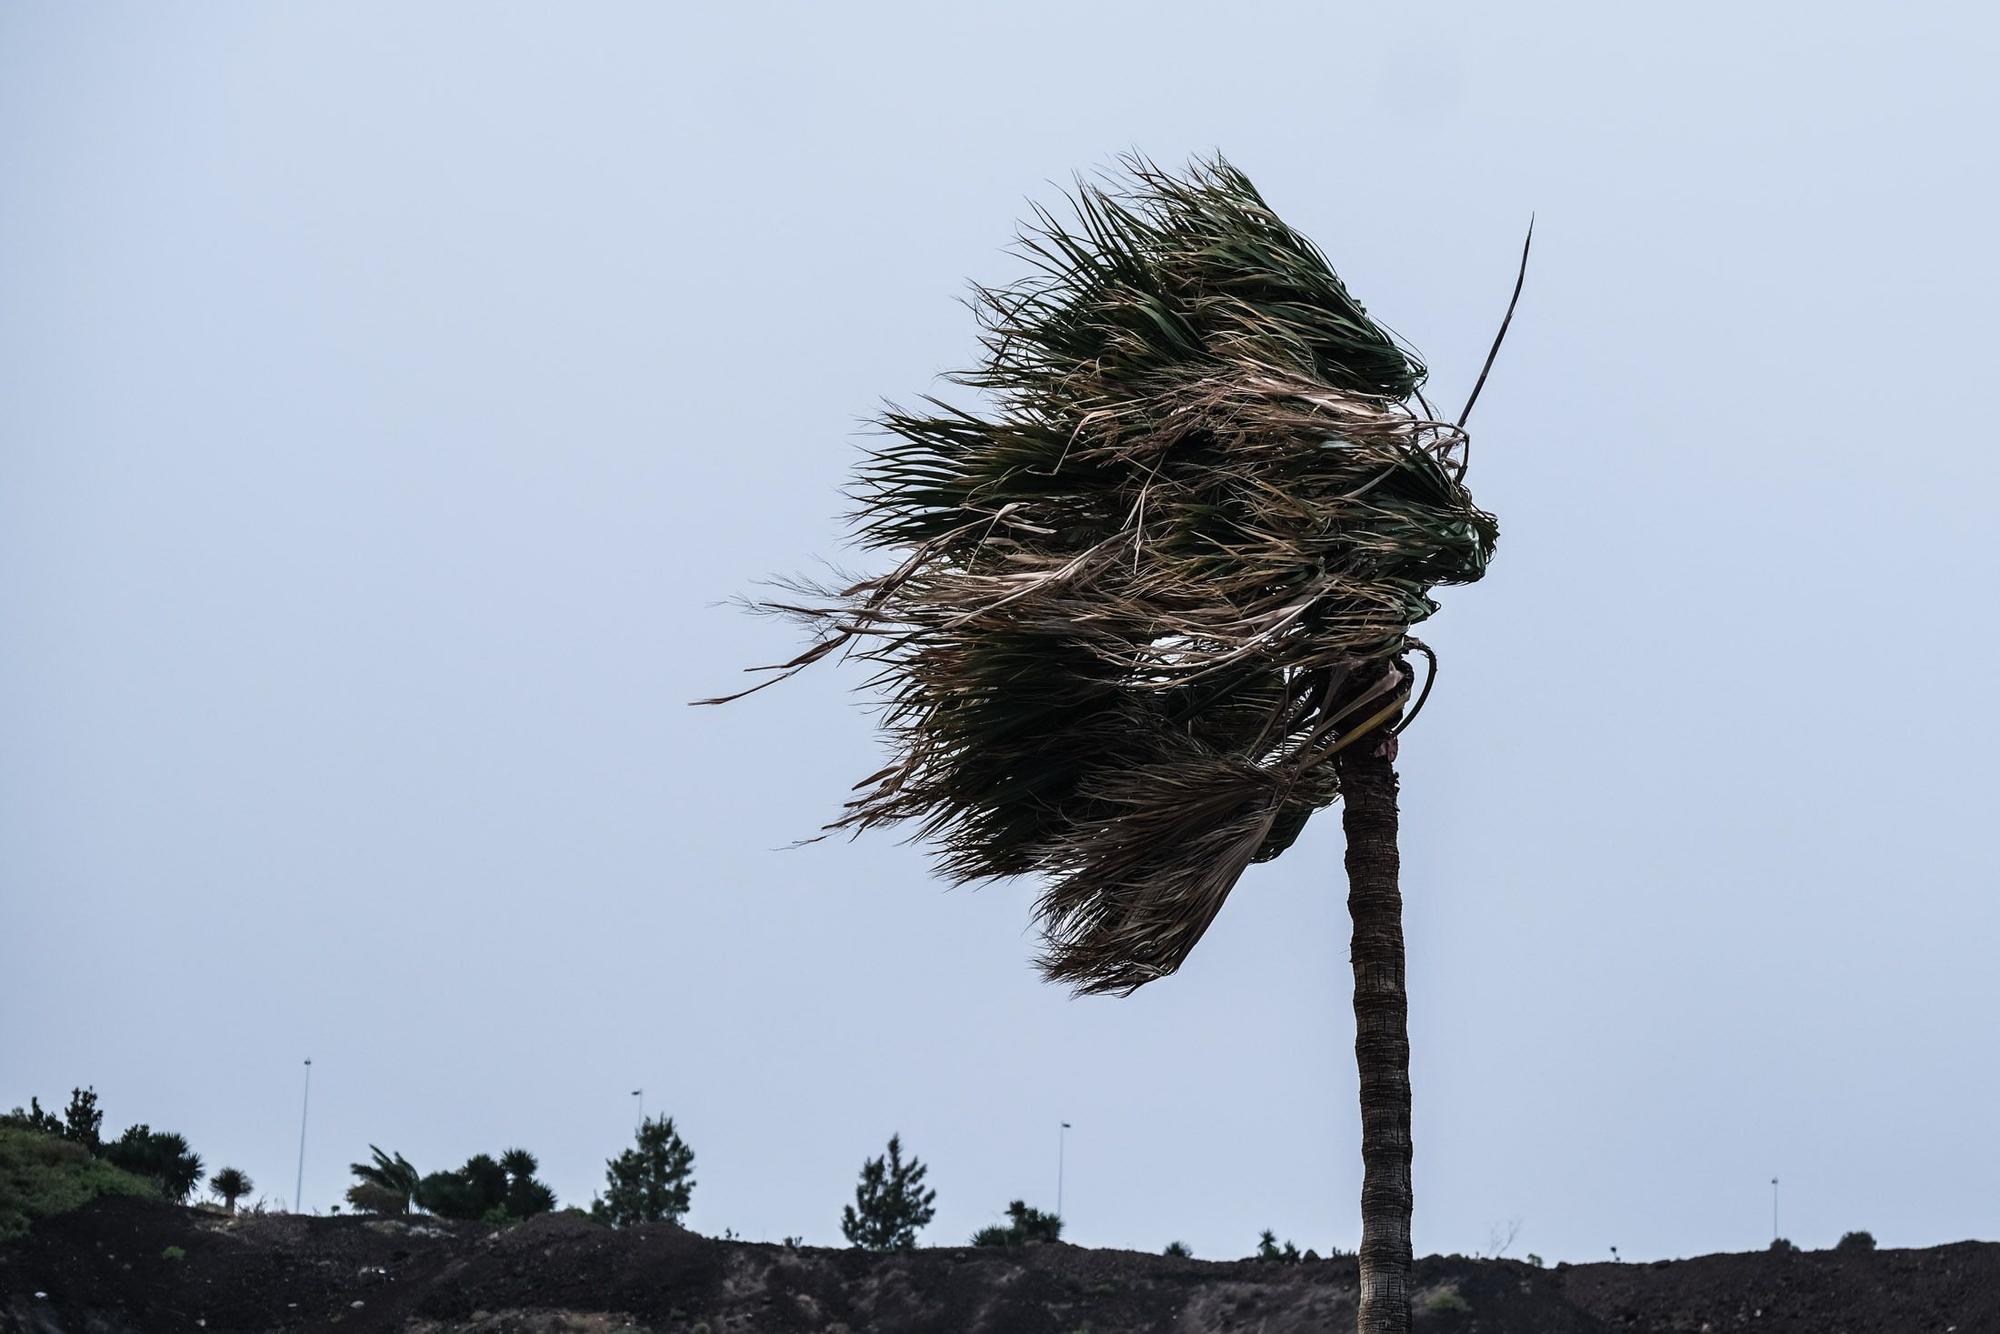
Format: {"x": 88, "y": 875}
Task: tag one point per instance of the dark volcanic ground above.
{"x": 105, "y": 1270}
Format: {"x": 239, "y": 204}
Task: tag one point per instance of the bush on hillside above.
{"x": 1268, "y": 1249}
{"x": 492, "y": 1190}
{"x": 79, "y": 1123}
{"x": 42, "y": 1174}
{"x": 1026, "y": 1227}
{"x": 1856, "y": 1241}
{"x": 162, "y": 1156}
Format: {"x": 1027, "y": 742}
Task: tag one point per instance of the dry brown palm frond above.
{"x": 1142, "y": 601}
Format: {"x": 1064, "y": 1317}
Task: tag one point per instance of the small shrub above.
{"x": 1178, "y": 1250}
{"x": 173, "y": 1253}
{"x": 1026, "y": 1227}
{"x": 1783, "y": 1246}
{"x": 1534, "y": 1260}
{"x": 1856, "y": 1241}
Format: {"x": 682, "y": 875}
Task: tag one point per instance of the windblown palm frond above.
{"x": 1142, "y": 601}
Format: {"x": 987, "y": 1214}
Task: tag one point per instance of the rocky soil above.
{"x": 126, "y": 1265}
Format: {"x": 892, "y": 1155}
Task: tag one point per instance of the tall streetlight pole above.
{"x": 1060, "y": 1135}
{"x": 299, "y": 1186}
{"x": 1774, "y": 1209}
{"x": 640, "y": 1094}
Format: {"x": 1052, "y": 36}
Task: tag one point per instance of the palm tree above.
{"x": 1152, "y": 609}
{"x": 232, "y": 1185}
{"x": 385, "y": 1186}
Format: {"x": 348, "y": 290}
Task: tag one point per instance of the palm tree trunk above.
{"x": 1381, "y": 1032}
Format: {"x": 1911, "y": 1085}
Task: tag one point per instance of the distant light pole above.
{"x": 299, "y": 1186}
{"x": 1774, "y": 1209}
{"x": 640, "y": 1094}
{"x": 1060, "y": 1135}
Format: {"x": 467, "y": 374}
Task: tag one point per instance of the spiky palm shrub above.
{"x": 1151, "y": 609}
{"x": 230, "y": 1185}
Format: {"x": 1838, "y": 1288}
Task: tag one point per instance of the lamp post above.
{"x": 640, "y": 1094}
{"x": 1060, "y": 1136}
{"x": 1774, "y": 1210}
{"x": 299, "y": 1185}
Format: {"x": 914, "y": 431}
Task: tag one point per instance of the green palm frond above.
{"x": 1142, "y": 599}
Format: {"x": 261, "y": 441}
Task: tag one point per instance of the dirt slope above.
{"x": 107, "y": 1269}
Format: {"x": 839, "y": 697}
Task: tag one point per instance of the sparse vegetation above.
{"x": 650, "y": 1182}
{"x": 1783, "y": 1246}
{"x": 1178, "y": 1250}
{"x": 1026, "y": 1226}
{"x": 1856, "y": 1241}
{"x": 891, "y": 1204}
{"x": 173, "y": 1253}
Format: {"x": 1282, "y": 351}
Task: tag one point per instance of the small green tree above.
{"x": 82, "y": 1120}
{"x": 387, "y": 1185}
{"x": 161, "y": 1155}
{"x": 649, "y": 1182}
{"x": 890, "y": 1205}
{"x": 231, "y": 1184}
{"x": 1856, "y": 1241}
{"x": 1178, "y": 1250}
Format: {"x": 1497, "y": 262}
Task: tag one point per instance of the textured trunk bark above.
{"x": 1381, "y": 1032}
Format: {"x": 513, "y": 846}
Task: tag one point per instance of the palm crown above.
{"x": 1142, "y": 601}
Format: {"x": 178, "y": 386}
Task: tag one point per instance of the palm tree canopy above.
{"x": 1141, "y": 600}
{"x": 231, "y": 1183}
{"x": 393, "y": 1173}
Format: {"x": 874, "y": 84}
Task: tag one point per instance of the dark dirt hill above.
{"x": 127, "y": 1265}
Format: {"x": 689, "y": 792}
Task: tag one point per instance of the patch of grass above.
{"x": 41, "y": 1175}
{"x": 173, "y": 1253}
{"x": 1446, "y": 1299}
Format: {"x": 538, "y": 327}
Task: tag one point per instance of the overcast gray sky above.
{"x": 391, "y": 396}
